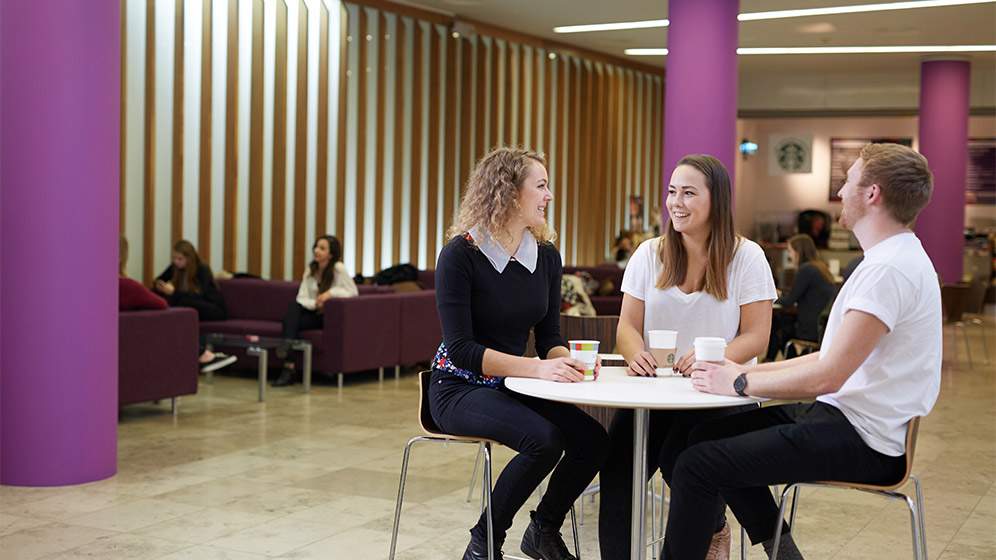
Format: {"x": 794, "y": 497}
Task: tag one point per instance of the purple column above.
{"x": 944, "y": 90}
{"x": 700, "y": 90}
{"x": 59, "y": 117}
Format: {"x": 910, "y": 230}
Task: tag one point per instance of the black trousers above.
{"x": 206, "y": 311}
{"x": 735, "y": 459}
{"x": 667, "y": 437}
{"x": 297, "y": 318}
{"x": 548, "y": 436}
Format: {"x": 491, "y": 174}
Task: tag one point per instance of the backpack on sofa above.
{"x": 397, "y": 273}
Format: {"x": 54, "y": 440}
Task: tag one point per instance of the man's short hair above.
{"x": 903, "y": 176}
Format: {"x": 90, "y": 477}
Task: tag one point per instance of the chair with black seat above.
{"x": 888, "y": 491}
{"x": 434, "y": 433}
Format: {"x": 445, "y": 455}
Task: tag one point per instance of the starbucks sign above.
{"x": 790, "y": 153}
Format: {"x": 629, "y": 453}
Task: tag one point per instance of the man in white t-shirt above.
{"x": 879, "y": 366}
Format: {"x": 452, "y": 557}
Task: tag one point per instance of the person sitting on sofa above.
{"x": 188, "y": 282}
{"x": 326, "y": 277}
{"x": 133, "y": 296}
{"x": 812, "y": 290}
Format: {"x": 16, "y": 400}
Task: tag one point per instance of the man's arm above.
{"x": 857, "y": 337}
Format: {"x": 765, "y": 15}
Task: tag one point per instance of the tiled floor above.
{"x": 315, "y": 476}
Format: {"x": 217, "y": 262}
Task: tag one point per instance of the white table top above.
{"x": 616, "y": 389}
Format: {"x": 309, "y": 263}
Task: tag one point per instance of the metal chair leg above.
{"x": 473, "y": 475}
{"x": 401, "y": 493}
{"x": 577, "y": 542}
{"x": 923, "y": 522}
{"x": 487, "y": 498}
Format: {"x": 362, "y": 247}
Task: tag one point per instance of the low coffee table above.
{"x": 260, "y": 346}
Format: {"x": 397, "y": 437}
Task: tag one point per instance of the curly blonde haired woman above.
{"x": 497, "y": 278}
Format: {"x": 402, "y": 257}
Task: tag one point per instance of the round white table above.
{"x": 614, "y": 388}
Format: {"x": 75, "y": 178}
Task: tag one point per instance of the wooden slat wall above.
{"x": 434, "y": 103}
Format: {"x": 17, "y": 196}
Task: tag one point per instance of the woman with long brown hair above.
{"x": 497, "y": 278}
{"x": 188, "y": 282}
{"x": 326, "y": 277}
{"x": 812, "y": 289}
{"x": 699, "y": 279}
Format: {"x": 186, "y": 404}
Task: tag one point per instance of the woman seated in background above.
{"x": 812, "y": 289}
{"x": 189, "y": 283}
{"x": 134, "y": 296}
{"x": 326, "y": 277}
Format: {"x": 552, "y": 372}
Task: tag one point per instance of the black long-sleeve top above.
{"x": 209, "y": 291}
{"x": 480, "y": 308}
{"x": 811, "y": 292}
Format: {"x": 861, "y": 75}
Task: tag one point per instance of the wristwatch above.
{"x": 740, "y": 384}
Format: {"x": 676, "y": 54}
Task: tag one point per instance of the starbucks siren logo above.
{"x": 792, "y": 155}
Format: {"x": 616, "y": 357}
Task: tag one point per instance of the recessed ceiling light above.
{"x": 779, "y": 14}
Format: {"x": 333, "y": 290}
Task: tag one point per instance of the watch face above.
{"x": 740, "y": 383}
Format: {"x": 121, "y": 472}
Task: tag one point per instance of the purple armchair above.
{"x": 157, "y": 355}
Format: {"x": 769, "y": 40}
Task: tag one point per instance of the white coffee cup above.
{"x": 710, "y": 349}
{"x": 587, "y": 352}
{"x": 663, "y": 347}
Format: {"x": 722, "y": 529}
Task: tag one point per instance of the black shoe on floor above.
{"x": 286, "y": 378}
{"x": 544, "y": 543}
{"x": 477, "y": 549}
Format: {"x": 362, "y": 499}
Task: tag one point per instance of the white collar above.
{"x": 525, "y": 255}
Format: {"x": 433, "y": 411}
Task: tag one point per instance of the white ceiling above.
{"x": 956, "y": 25}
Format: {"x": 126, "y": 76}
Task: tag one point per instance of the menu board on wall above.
{"x": 980, "y": 176}
{"x": 844, "y": 152}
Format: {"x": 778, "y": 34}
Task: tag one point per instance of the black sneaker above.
{"x": 220, "y": 360}
{"x": 544, "y": 543}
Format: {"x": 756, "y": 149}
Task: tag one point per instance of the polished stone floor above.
{"x": 316, "y": 476}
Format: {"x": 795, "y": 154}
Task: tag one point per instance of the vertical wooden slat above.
{"x": 521, "y": 138}
{"x": 301, "y": 142}
{"x": 149, "y": 165}
{"x": 621, "y": 131}
{"x": 231, "y": 128}
{"x": 363, "y": 71}
{"x": 322, "y": 148}
{"x": 204, "y": 163}
{"x": 659, "y": 144}
{"x": 416, "y": 140}
{"x": 508, "y": 136}
{"x": 496, "y": 106}
{"x": 610, "y": 147}
{"x": 278, "y": 198}
{"x": 344, "y": 76}
{"x": 534, "y": 95}
{"x": 399, "y": 137}
{"x": 598, "y": 215}
{"x": 481, "y": 145}
{"x": 568, "y": 157}
{"x": 432, "y": 198}
{"x": 381, "y": 63}
{"x": 256, "y": 142}
{"x": 634, "y": 138}
{"x": 466, "y": 114}
{"x": 122, "y": 115}
{"x": 585, "y": 184}
{"x": 176, "y": 225}
{"x": 450, "y": 150}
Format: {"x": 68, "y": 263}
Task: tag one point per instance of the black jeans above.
{"x": 548, "y": 436}
{"x": 737, "y": 458}
{"x": 296, "y": 319}
{"x": 667, "y": 437}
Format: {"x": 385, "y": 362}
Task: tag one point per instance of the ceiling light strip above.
{"x": 839, "y": 50}
{"x": 780, "y": 14}
{"x": 611, "y": 26}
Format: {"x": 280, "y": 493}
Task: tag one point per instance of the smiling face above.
{"x": 533, "y": 197}
{"x": 322, "y": 252}
{"x": 688, "y": 201}
{"x": 850, "y": 195}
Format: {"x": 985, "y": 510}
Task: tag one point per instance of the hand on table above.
{"x": 642, "y": 364}
{"x": 717, "y": 379}
{"x": 563, "y": 370}
{"x": 683, "y": 364}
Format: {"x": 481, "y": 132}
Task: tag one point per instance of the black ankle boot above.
{"x": 544, "y": 543}
{"x": 477, "y": 549}
{"x": 286, "y": 378}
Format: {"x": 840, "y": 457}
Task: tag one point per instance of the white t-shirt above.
{"x": 901, "y": 378}
{"x": 748, "y": 279}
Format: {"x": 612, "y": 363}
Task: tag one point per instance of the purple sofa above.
{"x": 360, "y": 333}
{"x": 611, "y": 303}
{"x": 157, "y": 355}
